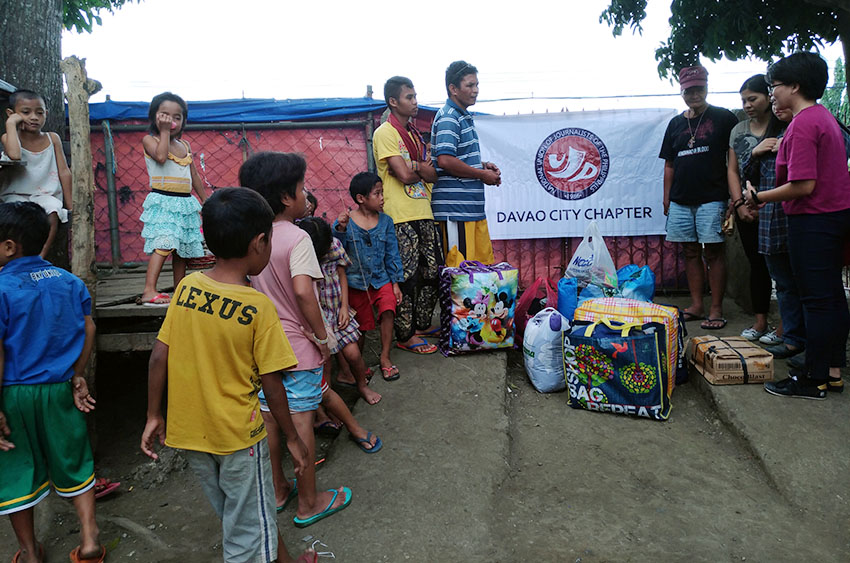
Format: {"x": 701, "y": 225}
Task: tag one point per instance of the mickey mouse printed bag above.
{"x": 477, "y": 307}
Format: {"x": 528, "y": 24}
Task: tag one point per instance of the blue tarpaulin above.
{"x": 247, "y": 110}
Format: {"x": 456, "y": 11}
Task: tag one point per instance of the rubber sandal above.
{"x": 392, "y": 377}
{"x": 327, "y": 428}
{"x": 433, "y": 332}
{"x": 156, "y": 301}
{"x": 103, "y": 487}
{"x": 77, "y": 558}
{"x": 293, "y": 492}
{"x": 423, "y": 347}
{"x": 17, "y": 556}
{"x": 705, "y": 326}
{"x": 326, "y": 512}
{"x": 364, "y": 443}
{"x": 688, "y": 316}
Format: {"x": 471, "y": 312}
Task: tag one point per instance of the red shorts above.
{"x": 363, "y": 301}
{"x": 325, "y": 385}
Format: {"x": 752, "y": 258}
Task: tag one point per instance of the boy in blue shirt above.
{"x": 47, "y": 337}
{"x": 368, "y": 236}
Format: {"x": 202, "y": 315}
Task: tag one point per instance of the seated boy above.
{"x": 46, "y": 178}
{"x": 368, "y": 236}
{"x": 220, "y": 343}
{"x": 47, "y": 336}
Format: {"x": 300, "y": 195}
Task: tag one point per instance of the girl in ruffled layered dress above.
{"x": 171, "y": 216}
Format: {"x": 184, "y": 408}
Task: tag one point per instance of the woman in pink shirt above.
{"x": 813, "y": 185}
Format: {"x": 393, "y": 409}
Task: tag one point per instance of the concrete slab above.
{"x": 429, "y": 494}
{"x": 803, "y": 445}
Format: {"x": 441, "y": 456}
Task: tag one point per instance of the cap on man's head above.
{"x": 693, "y": 76}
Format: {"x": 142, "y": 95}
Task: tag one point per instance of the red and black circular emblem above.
{"x": 572, "y": 163}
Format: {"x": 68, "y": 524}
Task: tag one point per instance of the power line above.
{"x": 609, "y": 97}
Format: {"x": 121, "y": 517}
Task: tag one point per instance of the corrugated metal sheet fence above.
{"x": 335, "y": 151}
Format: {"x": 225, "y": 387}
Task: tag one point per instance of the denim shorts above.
{"x": 303, "y": 390}
{"x": 696, "y": 223}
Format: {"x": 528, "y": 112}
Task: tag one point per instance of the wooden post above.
{"x": 80, "y": 88}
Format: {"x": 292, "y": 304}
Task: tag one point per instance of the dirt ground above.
{"x": 573, "y": 486}
{"x": 637, "y": 490}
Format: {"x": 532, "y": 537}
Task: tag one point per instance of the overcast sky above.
{"x": 217, "y": 49}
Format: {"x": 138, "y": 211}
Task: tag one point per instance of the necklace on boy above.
{"x": 692, "y": 141}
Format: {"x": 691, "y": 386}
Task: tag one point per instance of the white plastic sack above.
{"x": 541, "y": 349}
{"x": 592, "y": 263}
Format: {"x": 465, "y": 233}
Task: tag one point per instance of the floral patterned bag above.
{"x": 617, "y": 367}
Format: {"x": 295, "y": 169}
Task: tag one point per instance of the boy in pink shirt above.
{"x": 288, "y": 281}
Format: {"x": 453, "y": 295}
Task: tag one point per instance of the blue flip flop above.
{"x": 364, "y": 443}
{"x": 293, "y": 492}
{"x": 326, "y": 512}
{"x": 423, "y": 347}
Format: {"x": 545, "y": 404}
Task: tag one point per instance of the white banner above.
{"x": 562, "y": 170}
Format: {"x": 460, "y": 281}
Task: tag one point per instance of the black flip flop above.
{"x": 720, "y": 320}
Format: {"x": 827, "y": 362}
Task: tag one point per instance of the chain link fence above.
{"x": 334, "y": 155}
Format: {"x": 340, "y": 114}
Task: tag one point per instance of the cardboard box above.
{"x": 721, "y": 360}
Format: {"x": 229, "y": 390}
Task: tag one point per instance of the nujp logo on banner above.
{"x": 572, "y": 163}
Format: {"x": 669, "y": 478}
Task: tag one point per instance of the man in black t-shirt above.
{"x": 695, "y": 191}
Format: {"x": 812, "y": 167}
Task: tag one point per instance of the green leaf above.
{"x": 81, "y": 15}
{"x": 735, "y": 30}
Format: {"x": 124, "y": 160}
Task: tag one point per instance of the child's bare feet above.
{"x": 371, "y": 397}
{"x": 344, "y": 375}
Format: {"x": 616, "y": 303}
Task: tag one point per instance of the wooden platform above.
{"x": 123, "y": 326}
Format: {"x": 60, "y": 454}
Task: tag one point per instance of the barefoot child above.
{"x": 288, "y": 282}
{"x": 333, "y": 298}
{"x": 368, "y": 236}
{"x": 47, "y": 337}
{"x": 171, "y": 220}
{"x": 219, "y": 345}
{"x": 46, "y": 179}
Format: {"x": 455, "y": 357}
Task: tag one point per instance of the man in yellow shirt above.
{"x": 221, "y": 342}
{"x": 407, "y": 174}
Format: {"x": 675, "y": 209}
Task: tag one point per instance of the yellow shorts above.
{"x": 473, "y": 242}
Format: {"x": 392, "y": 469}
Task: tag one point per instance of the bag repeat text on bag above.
{"x": 617, "y": 368}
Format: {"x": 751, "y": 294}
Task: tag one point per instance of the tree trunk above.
{"x": 80, "y": 88}
{"x": 30, "y": 49}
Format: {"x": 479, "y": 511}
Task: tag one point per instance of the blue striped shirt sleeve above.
{"x": 446, "y": 137}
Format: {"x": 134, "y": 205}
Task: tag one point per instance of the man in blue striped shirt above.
{"x": 458, "y": 196}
